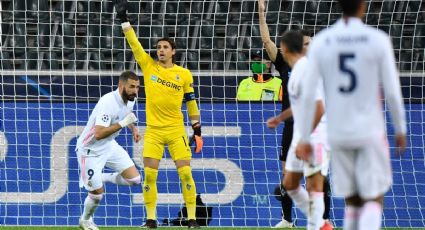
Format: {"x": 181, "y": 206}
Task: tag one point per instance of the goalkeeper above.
{"x": 166, "y": 85}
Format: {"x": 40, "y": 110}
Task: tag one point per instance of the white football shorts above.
{"x": 319, "y": 162}
{"x": 363, "y": 170}
{"x": 92, "y": 164}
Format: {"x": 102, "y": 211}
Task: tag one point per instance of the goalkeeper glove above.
{"x": 129, "y": 119}
{"x": 121, "y": 8}
{"x": 196, "y": 137}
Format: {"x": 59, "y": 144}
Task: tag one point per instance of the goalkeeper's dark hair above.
{"x": 293, "y": 40}
{"x": 128, "y": 75}
{"x": 350, "y": 7}
{"x": 171, "y": 42}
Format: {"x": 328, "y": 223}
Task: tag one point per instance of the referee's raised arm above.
{"x": 142, "y": 58}
{"x": 265, "y": 34}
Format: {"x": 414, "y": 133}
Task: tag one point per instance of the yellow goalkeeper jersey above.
{"x": 164, "y": 87}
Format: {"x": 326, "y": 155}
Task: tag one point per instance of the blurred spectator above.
{"x": 262, "y": 85}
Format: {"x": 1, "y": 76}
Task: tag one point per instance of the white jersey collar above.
{"x": 350, "y": 21}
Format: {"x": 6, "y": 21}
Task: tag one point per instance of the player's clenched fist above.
{"x": 197, "y": 138}
{"x": 129, "y": 119}
{"x": 121, "y": 8}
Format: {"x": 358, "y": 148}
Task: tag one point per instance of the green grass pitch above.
{"x": 167, "y": 228}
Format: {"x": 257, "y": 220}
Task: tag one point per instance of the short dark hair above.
{"x": 293, "y": 40}
{"x": 350, "y": 7}
{"x": 169, "y": 40}
{"x": 128, "y": 75}
{"x": 305, "y": 32}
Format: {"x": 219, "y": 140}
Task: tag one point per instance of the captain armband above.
{"x": 189, "y": 96}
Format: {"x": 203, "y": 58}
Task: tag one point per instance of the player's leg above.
{"x": 153, "y": 150}
{"x": 182, "y": 155}
{"x": 91, "y": 166}
{"x": 374, "y": 178}
{"x": 293, "y": 174}
{"x": 286, "y": 201}
{"x": 316, "y": 201}
{"x": 327, "y": 198}
{"x": 126, "y": 172}
{"x": 344, "y": 183}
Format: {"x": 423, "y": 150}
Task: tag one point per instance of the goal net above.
{"x": 59, "y": 56}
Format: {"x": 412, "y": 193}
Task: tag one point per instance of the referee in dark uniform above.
{"x": 283, "y": 68}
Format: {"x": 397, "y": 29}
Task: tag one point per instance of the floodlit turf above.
{"x": 168, "y": 228}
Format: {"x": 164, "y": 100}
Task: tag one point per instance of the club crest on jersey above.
{"x": 188, "y": 186}
{"x": 177, "y": 77}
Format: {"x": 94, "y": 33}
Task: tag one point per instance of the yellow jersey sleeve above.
{"x": 142, "y": 58}
{"x": 188, "y": 85}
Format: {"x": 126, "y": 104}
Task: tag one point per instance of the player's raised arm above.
{"x": 392, "y": 90}
{"x": 142, "y": 58}
{"x": 265, "y": 34}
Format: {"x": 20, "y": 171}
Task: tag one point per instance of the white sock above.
{"x": 351, "y": 217}
{"x": 115, "y": 178}
{"x": 300, "y": 198}
{"x": 370, "y": 216}
{"x": 90, "y": 204}
{"x": 317, "y": 207}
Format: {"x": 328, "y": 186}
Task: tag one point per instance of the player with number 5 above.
{"x": 355, "y": 62}
{"x": 97, "y": 148}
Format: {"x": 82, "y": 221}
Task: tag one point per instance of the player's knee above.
{"x": 96, "y": 197}
{"x": 150, "y": 175}
{"x": 134, "y": 181}
{"x": 289, "y": 183}
{"x": 185, "y": 173}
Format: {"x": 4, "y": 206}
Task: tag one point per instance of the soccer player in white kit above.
{"x": 355, "y": 62}
{"x": 309, "y": 201}
{"x": 97, "y": 148}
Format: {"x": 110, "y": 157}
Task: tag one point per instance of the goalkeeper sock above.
{"x": 327, "y": 198}
{"x": 150, "y": 192}
{"x": 90, "y": 204}
{"x": 300, "y": 198}
{"x": 189, "y": 191}
{"x": 370, "y": 216}
{"x": 351, "y": 216}
{"x": 317, "y": 206}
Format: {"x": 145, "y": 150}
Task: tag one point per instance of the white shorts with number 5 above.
{"x": 363, "y": 170}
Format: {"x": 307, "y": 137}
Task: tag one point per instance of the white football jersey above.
{"x": 294, "y": 90}
{"x": 109, "y": 110}
{"x": 355, "y": 62}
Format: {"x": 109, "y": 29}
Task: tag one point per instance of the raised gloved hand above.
{"x": 121, "y": 9}
{"x": 129, "y": 119}
{"x": 196, "y": 137}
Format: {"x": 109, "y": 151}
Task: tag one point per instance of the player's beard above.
{"x": 129, "y": 97}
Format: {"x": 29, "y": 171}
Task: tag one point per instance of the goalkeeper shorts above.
{"x": 156, "y": 138}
